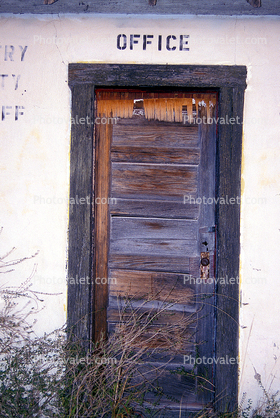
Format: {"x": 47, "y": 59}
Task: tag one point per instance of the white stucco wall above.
{"x": 34, "y": 152}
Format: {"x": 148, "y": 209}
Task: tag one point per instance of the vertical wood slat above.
{"x": 102, "y": 223}
{"x": 115, "y": 108}
{"x": 205, "y": 291}
{"x": 189, "y": 110}
{"x": 228, "y": 242}
{"x": 80, "y": 217}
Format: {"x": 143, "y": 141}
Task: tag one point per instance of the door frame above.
{"x": 230, "y": 83}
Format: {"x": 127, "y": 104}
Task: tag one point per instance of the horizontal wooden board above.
{"x": 155, "y": 155}
{"x": 155, "y": 228}
{"x": 176, "y": 387}
{"x": 168, "y": 287}
{"x": 153, "y": 181}
{"x": 121, "y": 303}
{"x": 178, "y": 327}
{"x": 171, "y": 317}
{"x": 158, "y": 209}
{"x": 150, "y": 261}
{"x": 162, "y": 247}
{"x": 154, "y": 134}
{"x": 193, "y": 76}
{"x": 174, "y": 358}
{"x": 159, "y": 341}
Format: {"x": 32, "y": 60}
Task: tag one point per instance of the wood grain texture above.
{"x": 102, "y": 226}
{"x": 179, "y": 390}
{"x": 153, "y": 228}
{"x": 119, "y": 75}
{"x": 150, "y": 261}
{"x": 153, "y": 181}
{"x": 205, "y": 291}
{"x": 80, "y": 242}
{"x": 170, "y": 317}
{"x": 155, "y": 208}
{"x": 169, "y": 287}
{"x": 154, "y": 134}
{"x": 228, "y": 241}
{"x": 163, "y": 7}
{"x": 155, "y": 155}
{"x": 161, "y": 247}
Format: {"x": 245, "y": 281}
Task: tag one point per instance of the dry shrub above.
{"x": 117, "y": 375}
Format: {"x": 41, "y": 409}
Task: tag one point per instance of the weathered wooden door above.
{"x": 155, "y": 232}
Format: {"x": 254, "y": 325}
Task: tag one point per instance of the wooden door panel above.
{"x": 153, "y": 228}
{"x": 177, "y": 387}
{"x": 155, "y": 347}
{"x": 150, "y": 181}
{"x": 171, "y": 317}
{"x": 156, "y": 244}
{"x": 154, "y": 208}
{"x": 154, "y": 134}
{"x": 154, "y": 236}
{"x": 163, "y": 155}
{"x": 161, "y": 247}
{"x": 162, "y": 286}
{"x": 150, "y": 261}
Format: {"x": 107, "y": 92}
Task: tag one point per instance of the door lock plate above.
{"x": 204, "y": 265}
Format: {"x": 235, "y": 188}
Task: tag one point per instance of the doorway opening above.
{"x": 158, "y": 229}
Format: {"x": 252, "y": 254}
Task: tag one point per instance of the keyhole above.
{"x": 205, "y": 243}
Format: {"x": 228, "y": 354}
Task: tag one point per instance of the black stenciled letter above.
{"x": 3, "y": 79}
{"x": 9, "y": 53}
{"x": 133, "y": 41}
{"x": 5, "y": 111}
{"x": 23, "y": 51}
{"x": 169, "y": 37}
{"x": 183, "y": 43}
{"x": 18, "y": 111}
{"x": 146, "y": 41}
{"x": 159, "y": 42}
{"x": 16, "y": 80}
{"x": 121, "y": 41}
